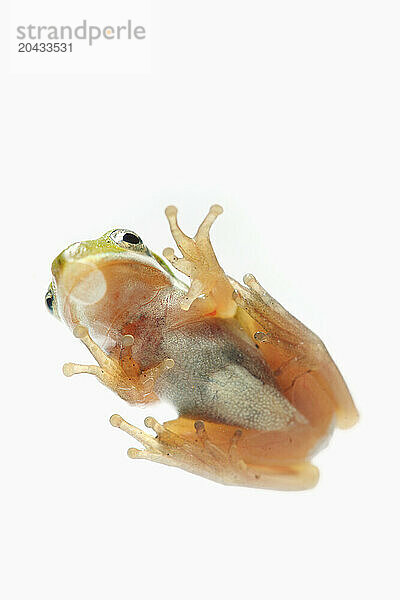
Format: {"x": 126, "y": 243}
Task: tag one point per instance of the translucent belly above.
{"x": 219, "y": 376}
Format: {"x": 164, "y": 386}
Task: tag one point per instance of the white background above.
{"x": 287, "y": 114}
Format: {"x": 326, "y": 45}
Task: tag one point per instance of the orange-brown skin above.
{"x": 312, "y": 393}
{"x": 132, "y": 305}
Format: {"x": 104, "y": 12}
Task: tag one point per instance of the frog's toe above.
{"x": 183, "y": 265}
{"x": 147, "y": 441}
{"x": 80, "y": 331}
{"x": 204, "y": 229}
{"x": 70, "y": 369}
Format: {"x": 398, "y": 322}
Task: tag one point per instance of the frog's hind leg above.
{"x": 192, "y": 450}
{"x": 200, "y": 264}
{"x": 296, "y": 356}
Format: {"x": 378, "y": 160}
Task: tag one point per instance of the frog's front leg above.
{"x": 193, "y": 451}
{"x": 122, "y": 374}
{"x": 200, "y": 264}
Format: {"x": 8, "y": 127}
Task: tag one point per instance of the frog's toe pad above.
{"x": 80, "y": 331}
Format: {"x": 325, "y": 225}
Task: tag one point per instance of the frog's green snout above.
{"x": 57, "y": 265}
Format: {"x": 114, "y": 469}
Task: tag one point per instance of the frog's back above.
{"x": 220, "y": 376}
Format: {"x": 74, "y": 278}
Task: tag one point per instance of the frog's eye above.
{"x": 49, "y": 299}
{"x": 126, "y": 238}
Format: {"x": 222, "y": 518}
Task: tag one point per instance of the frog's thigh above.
{"x": 291, "y": 349}
{"x": 217, "y": 451}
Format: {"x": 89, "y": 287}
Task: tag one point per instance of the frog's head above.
{"x": 99, "y": 281}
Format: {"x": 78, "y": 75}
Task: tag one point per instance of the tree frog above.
{"x": 256, "y": 392}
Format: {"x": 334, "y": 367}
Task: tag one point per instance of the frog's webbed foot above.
{"x": 123, "y": 375}
{"x": 200, "y": 263}
{"x": 202, "y": 457}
